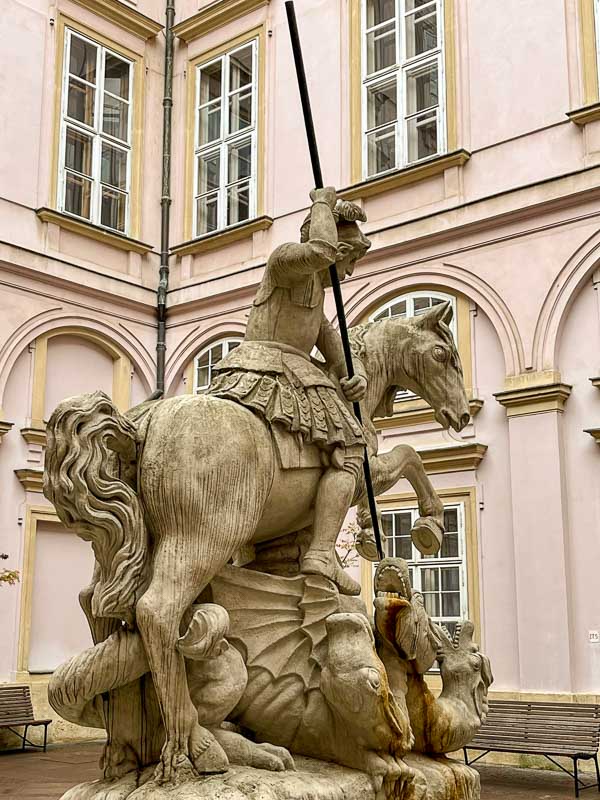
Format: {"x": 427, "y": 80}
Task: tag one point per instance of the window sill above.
{"x": 459, "y": 457}
{"x": 4, "y": 428}
{"x": 92, "y": 231}
{"x": 403, "y": 177}
{"x": 216, "y": 239}
{"x": 595, "y": 433}
{"x": 415, "y": 412}
{"x": 130, "y": 19}
{"x": 213, "y": 16}
{"x": 581, "y": 116}
{"x": 31, "y": 479}
{"x": 595, "y": 382}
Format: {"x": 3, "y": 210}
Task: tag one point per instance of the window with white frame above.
{"x": 225, "y": 140}
{"x": 207, "y": 359}
{"x": 95, "y": 136}
{"x": 414, "y": 304}
{"x": 442, "y": 579}
{"x": 403, "y": 96}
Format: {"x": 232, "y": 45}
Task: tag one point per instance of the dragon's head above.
{"x": 466, "y": 673}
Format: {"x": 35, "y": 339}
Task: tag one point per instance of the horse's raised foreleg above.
{"x": 403, "y": 461}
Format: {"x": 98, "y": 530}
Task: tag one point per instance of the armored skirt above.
{"x": 287, "y": 388}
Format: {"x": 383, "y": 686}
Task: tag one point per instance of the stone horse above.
{"x": 170, "y": 491}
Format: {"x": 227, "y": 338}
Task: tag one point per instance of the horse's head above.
{"x": 425, "y": 360}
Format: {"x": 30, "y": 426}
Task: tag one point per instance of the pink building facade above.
{"x": 470, "y": 134}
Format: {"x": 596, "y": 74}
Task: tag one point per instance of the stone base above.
{"x": 439, "y": 779}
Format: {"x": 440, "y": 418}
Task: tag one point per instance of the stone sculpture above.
{"x": 198, "y": 664}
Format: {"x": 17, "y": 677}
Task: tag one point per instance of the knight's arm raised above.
{"x": 319, "y": 251}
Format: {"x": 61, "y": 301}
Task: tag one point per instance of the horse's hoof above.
{"x": 208, "y": 757}
{"x": 365, "y": 544}
{"x": 427, "y": 535}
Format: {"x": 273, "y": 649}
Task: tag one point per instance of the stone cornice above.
{"x": 212, "y": 241}
{"x": 458, "y": 457}
{"x": 534, "y": 399}
{"x": 412, "y": 174}
{"x": 215, "y": 15}
{"x": 417, "y": 415}
{"x": 595, "y": 382}
{"x": 95, "y": 232}
{"x": 595, "y": 433}
{"x": 32, "y": 479}
{"x": 581, "y": 116}
{"x": 124, "y": 16}
{"x": 34, "y": 435}
{"x": 4, "y": 428}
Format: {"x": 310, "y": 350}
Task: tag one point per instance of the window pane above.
{"x": 423, "y": 304}
{"x": 210, "y": 123}
{"x": 78, "y": 192}
{"x": 114, "y": 166}
{"x": 116, "y": 75}
{"x": 114, "y": 209}
{"x": 422, "y": 89}
{"x": 114, "y": 118}
{"x": 422, "y": 137}
{"x": 430, "y": 579}
{"x": 421, "y": 31}
{"x": 82, "y": 59}
{"x": 233, "y": 345}
{"x": 432, "y": 604}
{"x": 451, "y": 605}
{"x": 381, "y": 150}
{"x": 206, "y": 210}
{"x": 451, "y": 517}
{"x": 398, "y": 309}
{"x": 210, "y": 83}
{"x": 240, "y": 68}
{"x": 379, "y": 11}
{"x": 216, "y": 354}
{"x": 240, "y": 111}
{"x": 403, "y": 547}
{"x": 403, "y": 523}
{"x": 382, "y": 104}
{"x": 450, "y": 580}
{"x": 209, "y": 167}
{"x": 381, "y": 48}
{"x": 240, "y": 161}
{"x": 80, "y": 102}
{"x": 78, "y": 152}
{"x": 238, "y": 203}
{"x": 203, "y": 379}
{"x": 388, "y": 530}
{"x": 411, "y": 5}
{"x": 449, "y": 545}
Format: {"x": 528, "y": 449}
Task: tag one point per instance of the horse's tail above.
{"x": 90, "y": 477}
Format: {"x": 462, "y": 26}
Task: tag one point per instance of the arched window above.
{"x": 208, "y": 358}
{"x": 412, "y": 304}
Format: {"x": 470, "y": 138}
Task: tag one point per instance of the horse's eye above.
{"x": 439, "y": 353}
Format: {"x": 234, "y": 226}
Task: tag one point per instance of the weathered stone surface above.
{"x": 198, "y": 665}
{"x": 312, "y": 780}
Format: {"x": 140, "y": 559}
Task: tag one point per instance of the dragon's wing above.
{"x": 277, "y": 623}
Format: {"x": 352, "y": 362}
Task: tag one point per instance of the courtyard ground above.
{"x": 46, "y": 776}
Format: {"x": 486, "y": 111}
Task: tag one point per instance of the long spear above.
{"x": 335, "y": 282}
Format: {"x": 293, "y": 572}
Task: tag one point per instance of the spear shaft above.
{"x": 335, "y": 281}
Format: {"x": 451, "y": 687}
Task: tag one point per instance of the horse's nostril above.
{"x": 464, "y": 420}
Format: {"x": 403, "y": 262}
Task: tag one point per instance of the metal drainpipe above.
{"x": 165, "y": 201}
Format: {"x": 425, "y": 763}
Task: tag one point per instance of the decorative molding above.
{"x": 595, "y": 382}
{"x": 92, "y": 231}
{"x": 595, "y": 433}
{"x": 212, "y": 241}
{"x": 34, "y": 435}
{"x": 215, "y": 16}
{"x": 581, "y": 116}
{"x": 124, "y": 16}
{"x": 32, "y": 479}
{"x": 403, "y": 177}
{"x": 534, "y": 399}
{"x": 4, "y": 428}
{"x": 588, "y": 52}
{"x": 418, "y": 414}
{"x": 459, "y": 457}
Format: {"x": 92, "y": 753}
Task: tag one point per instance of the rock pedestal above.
{"x": 442, "y": 779}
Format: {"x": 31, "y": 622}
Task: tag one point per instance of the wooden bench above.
{"x": 571, "y": 730}
{"x": 16, "y": 710}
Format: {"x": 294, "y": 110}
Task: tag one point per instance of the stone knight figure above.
{"x": 272, "y": 372}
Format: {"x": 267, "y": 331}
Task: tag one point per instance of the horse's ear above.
{"x": 442, "y": 312}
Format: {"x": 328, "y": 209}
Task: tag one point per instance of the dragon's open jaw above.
{"x": 392, "y": 580}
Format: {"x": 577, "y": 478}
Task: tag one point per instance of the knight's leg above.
{"x": 334, "y": 496}
{"x": 180, "y": 574}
